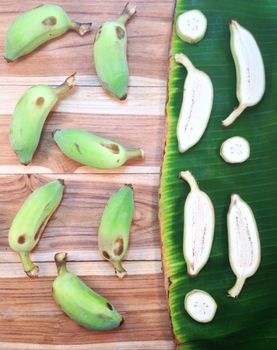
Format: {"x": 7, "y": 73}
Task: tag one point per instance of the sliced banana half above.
{"x": 235, "y": 150}
{"x": 191, "y": 26}
{"x": 200, "y": 305}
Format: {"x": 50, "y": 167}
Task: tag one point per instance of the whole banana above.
{"x": 31, "y": 220}
{"x": 114, "y": 230}
{"x": 30, "y": 114}
{"x": 110, "y": 55}
{"x": 37, "y": 26}
{"x": 81, "y": 303}
{"x": 92, "y": 150}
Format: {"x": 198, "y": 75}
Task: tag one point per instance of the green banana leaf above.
{"x": 248, "y": 321}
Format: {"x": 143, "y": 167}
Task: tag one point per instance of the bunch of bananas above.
{"x": 29, "y": 31}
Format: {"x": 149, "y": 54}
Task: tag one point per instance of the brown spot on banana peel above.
{"x": 106, "y": 255}
{"x": 50, "y": 21}
{"x": 111, "y": 147}
{"x": 77, "y": 147}
{"x": 118, "y": 247}
{"x": 119, "y": 32}
{"x": 110, "y": 306}
{"x": 21, "y": 239}
{"x": 39, "y": 101}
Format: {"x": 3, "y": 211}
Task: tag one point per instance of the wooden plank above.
{"x": 148, "y": 34}
{"x": 74, "y": 225}
{"x": 28, "y": 313}
{"x": 142, "y": 131}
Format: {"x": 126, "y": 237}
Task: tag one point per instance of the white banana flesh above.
{"x": 249, "y": 70}
{"x": 235, "y": 150}
{"x": 196, "y": 106}
{"x": 244, "y": 243}
{"x": 200, "y": 305}
{"x": 191, "y": 26}
{"x": 199, "y": 221}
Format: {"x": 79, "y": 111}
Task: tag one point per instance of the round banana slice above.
{"x": 191, "y": 26}
{"x": 235, "y": 150}
{"x": 200, "y": 305}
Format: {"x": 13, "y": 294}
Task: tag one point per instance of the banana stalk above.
{"x": 30, "y": 114}
{"x": 92, "y": 150}
{"x": 37, "y": 26}
{"x": 110, "y": 54}
{"x": 81, "y": 303}
{"x": 114, "y": 230}
{"x": 30, "y": 221}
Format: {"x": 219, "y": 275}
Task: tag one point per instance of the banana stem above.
{"x": 66, "y": 85}
{"x": 234, "y": 115}
{"x": 236, "y": 289}
{"x": 127, "y": 13}
{"x": 81, "y": 28}
{"x": 29, "y": 267}
{"x": 187, "y": 176}
{"x": 134, "y": 153}
{"x": 60, "y": 260}
{"x": 184, "y": 60}
{"x": 119, "y": 269}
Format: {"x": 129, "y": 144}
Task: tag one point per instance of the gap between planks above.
{"x": 87, "y": 268}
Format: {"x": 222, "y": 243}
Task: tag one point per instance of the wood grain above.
{"x": 29, "y": 319}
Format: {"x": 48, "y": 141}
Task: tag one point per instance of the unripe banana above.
{"x": 81, "y": 303}
{"x": 114, "y": 230}
{"x": 110, "y": 54}
{"x": 37, "y": 26}
{"x": 30, "y": 114}
{"x": 31, "y": 220}
{"x": 92, "y": 150}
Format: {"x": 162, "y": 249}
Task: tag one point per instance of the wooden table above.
{"x": 29, "y": 319}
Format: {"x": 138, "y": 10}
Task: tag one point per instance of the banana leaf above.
{"x": 248, "y": 321}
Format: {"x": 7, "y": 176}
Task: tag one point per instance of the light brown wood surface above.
{"x": 29, "y": 318}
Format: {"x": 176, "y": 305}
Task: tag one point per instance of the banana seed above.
{"x": 37, "y": 26}
{"x": 30, "y": 221}
{"x": 110, "y": 55}
{"x": 29, "y": 117}
{"x": 114, "y": 230}
{"x": 81, "y": 303}
{"x": 92, "y": 150}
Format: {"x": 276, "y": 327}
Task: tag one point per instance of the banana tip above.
{"x": 61, "y": 181}
{"x": 59, "y": 257}
{"x": 121, "y": 322}
{"x": 33, "y": 273}
{"x": 130, "y": 185}
{"x": 123, "y": 98}
{"x": 8, "y": 60}
{"x": 54, "y": 132}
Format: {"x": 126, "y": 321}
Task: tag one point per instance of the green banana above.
{"x": 81, "y": 303}
{"x": 31, "y": 220}
{"x": 37, "y": 26}
{"x": 92, "y": 150}
{"x": 110, "y": 55}
{"x": 30, "y": 114}
{"x": 113, "y": 234}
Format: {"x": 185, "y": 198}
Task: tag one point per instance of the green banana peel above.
{"x": 30, "y": 114}
{"x": 110, "y": 56}
{"x": 81, "y": 303}
{"x": 92, "y": 150}
{"x": 114, "y": 229}
{"x": 30, "y": 221}
{"x": 37, "y": 26}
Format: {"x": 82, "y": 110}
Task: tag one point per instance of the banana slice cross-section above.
{"x": 191, "y": 26}
{"x": 235, "y": 150}
{"x": 199, "y": 220}
{"x": 200, "y": 305}
{"x": 249, "y": 70}
{"x": 244, "y": 243}
{"x": 196, "y": 106}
